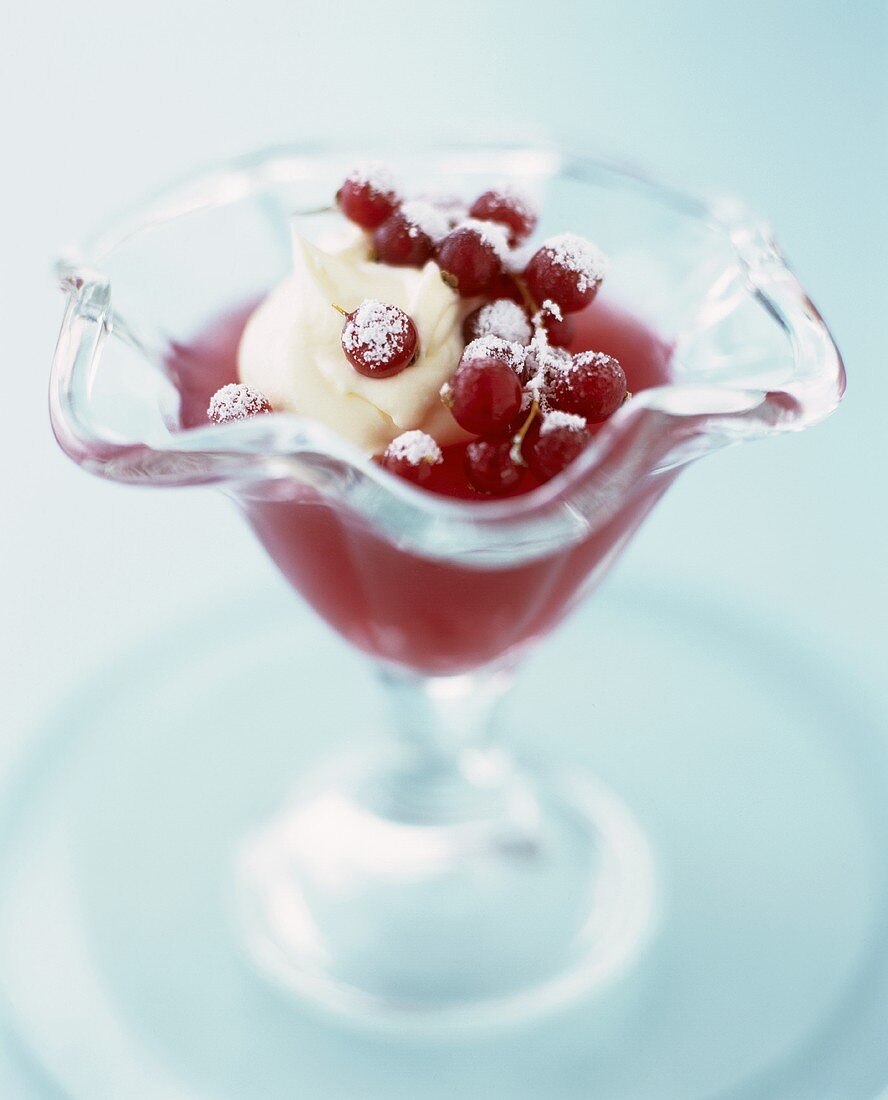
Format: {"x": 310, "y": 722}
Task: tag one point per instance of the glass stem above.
{"x": 448, "y": 767}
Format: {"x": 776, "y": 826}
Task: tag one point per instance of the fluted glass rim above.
{"x": 274, "y": 447}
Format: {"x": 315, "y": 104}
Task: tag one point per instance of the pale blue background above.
{"x": 782, "y": 103}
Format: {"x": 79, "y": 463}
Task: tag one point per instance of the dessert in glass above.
{"x": 444, "y": 394}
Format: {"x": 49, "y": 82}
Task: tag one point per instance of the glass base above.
{"x": 353, "y": 899}
{"x": 756, "y": 773}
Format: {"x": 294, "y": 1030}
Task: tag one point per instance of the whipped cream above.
{"x": 291, "y": 350}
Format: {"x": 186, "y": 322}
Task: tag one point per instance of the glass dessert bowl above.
{"x": 428, "y": 879}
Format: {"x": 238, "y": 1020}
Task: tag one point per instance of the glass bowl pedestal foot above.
{"x": 432, "y": 882}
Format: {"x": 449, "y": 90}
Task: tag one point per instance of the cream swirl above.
{"x": 291, "y": 350}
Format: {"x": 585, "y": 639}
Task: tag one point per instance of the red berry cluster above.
{"x": 535, "y": 417}
{"x": 529, "y": 402}
{"x": 471, "y": 246}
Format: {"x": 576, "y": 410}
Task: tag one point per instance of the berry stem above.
{"x": 518, "y": 438}
{"x": 531, "y": 306}
{"x": 339, "y": 309}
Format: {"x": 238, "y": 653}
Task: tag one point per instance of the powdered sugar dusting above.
{"x": 236, "y": 401}
{"x": 377, "y": 330}
{"x": 556, "y": 419}
{"x": 542, "y": 363}
{"x": 492, "y": 233}
{"x": 579, "y": 256}
{"x": 495, "y": 347}
{"x": 414, "y": 447}
{"x": 518, "y": 258}
{"x": 548, "y": 309}
{"x": 593, "y": 359}
{"x": 429, "y": 219}
{"x": 451, "y": 206}
{"x": 506, "y": 319}
{"x": 537, "y": 387}
{"x": 375, "y": 175}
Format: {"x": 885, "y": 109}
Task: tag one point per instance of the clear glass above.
{"x": 434, "y": 881}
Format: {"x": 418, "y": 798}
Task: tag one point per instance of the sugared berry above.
{"x": 378, "y": 339}
{"x": 236, "y": 402}
{"x": 509, "y": 208}
{"x": 368, "y": 195}
{"x": 470, "y": 256}
{"x": 503, "y": 318}
{"x": 561, "y": 437}
{"x": 411, "y": 456}
{"x": 495, "y": 347}
{"x": 489, "y": 466}
{"x": 566, "y": 269}
{"x": 402, "y": 242}
{"x": 484, "y": 395}
{"x": 593, "y": 385}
